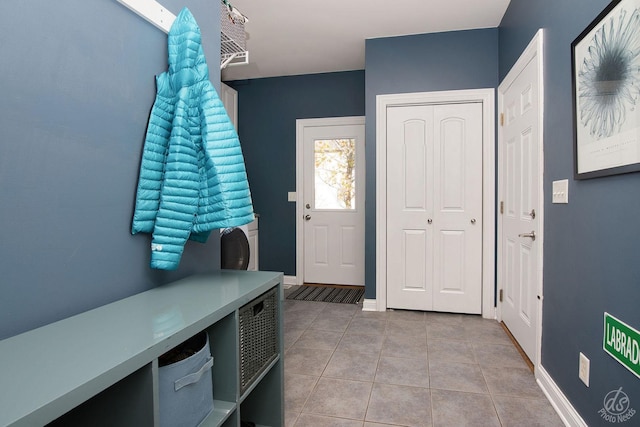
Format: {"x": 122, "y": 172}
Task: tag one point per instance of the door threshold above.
{"x": 520, "y": 350}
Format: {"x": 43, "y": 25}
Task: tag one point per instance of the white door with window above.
{"x": 435, "y": 207}
{"x": 519, "y": 246}
{"x": 333, "y": 200}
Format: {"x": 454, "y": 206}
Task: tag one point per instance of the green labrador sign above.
{"x": 622, "y": 342}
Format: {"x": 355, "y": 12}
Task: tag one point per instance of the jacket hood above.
{"x": 187, "y": 64}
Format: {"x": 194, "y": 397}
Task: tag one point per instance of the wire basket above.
{"x": 232, "y": 35}
{"x": 258, "y": 330}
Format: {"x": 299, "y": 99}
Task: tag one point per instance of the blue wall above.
{"x": 267, "y": 111}
{"x": 420, "y": 63}
{"x": 77, "y": 87}
{"x": 591, "y": 255}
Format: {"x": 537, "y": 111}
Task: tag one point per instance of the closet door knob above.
{"x": 473, "y": 220}
{"x": 429, "y": 221}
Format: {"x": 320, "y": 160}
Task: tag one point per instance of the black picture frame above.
{"x": 605, "y": 71}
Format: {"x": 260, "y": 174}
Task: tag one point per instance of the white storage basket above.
{"x": 185, "y": 387}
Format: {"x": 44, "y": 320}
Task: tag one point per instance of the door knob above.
{"x": 532, "y": 235}
{"x": 473, "y": 220}
{"x": 429, "y": 221}
{"x": 307, "y": 217}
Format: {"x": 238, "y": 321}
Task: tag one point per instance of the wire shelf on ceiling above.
{"x": 233, "y": 38}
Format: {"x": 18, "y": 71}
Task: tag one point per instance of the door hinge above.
{"x": 501, "y": 206}
{"x": 500, "y": 298}
{"x": 501, "y": 119}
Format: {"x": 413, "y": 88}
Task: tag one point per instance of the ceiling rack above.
{"x": 232, "y": 34}
{"x": 233, "y": 48}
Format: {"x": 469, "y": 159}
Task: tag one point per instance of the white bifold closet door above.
{"x": 434, "y": 207}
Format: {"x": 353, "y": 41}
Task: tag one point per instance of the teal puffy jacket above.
{"x": 192, "y": 176}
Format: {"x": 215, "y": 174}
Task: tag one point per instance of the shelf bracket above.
{"x": 226, "y": 62}
{"x": 152, "y": 11}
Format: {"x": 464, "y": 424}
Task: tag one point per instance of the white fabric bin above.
{"x": 185, "y": 386}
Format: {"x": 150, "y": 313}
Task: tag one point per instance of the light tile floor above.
{"x": 345, "y": 367}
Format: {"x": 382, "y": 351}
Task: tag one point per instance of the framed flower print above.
{"x": 606, "y": 90}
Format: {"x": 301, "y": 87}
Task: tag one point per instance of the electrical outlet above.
{"x": 583, "y": 371}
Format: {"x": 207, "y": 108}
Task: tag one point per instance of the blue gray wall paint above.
{"x": 420, "y": 63}
{"x": 77, "y": 88}
{"x": 267, "y": 111}
{"x": 74, "y": 108}
{"x": 591, "y": 244}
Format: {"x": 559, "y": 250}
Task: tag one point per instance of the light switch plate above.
{"x": 560, "y": 191}
{"x": 583, "y": 370}
{"x": 291, "y": 196}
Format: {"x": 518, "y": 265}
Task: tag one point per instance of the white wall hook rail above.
{"x": 152, "y": 11}
{"x": 233, "y": 49}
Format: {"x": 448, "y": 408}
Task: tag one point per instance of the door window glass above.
{"x": 335, "y": 173}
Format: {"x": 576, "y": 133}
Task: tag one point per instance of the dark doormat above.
{"x": 341, "y": 294}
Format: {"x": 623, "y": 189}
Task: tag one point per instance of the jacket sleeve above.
{"x": 153, "y": 158}
{"x": 178, "y": 195}
{"x": 231, "y": 196}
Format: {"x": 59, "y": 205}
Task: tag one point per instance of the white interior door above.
{"x": 333, "y": 180}
{"x": 519, "y": 222}
{"x": 434, "y": 207}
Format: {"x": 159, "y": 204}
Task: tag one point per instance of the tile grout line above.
{"x": 325, "y": 367}
{"x": 319, "y": 376}
{"x": 375, "y": 373}
{"x": 386, "y": 333}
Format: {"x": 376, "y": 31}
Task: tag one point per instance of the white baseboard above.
{"x": 369, "y": 305}
{"x": 559, "y": 401}
{"x": 289, "y": 281}
{"x": 490, "y": 313}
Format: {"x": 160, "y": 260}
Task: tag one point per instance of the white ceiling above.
{"x": 291, "y": 37}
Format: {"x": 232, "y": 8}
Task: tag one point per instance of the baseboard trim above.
{"x": 489, "y": 313}
{"x": 369, "y": 305}
{"x": 289, "y": 281}
{"x": 559, "y": 401}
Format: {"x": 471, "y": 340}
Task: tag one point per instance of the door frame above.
{"x": 533, "y": 51}
{"x": 301, "y": 124}
{"x": 487, "y": 98}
